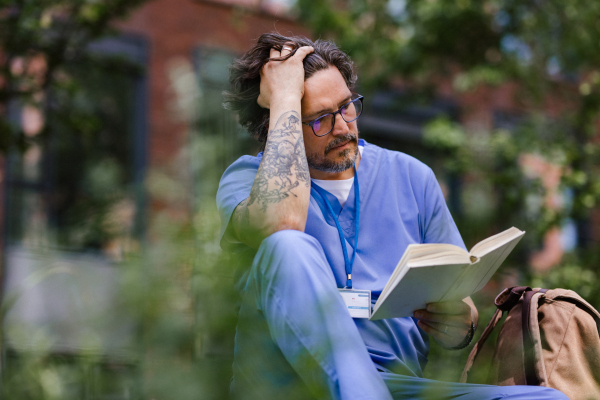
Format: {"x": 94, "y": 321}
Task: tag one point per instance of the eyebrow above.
{"x": 327, "y": 110}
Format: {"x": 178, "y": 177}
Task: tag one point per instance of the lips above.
{"x": 340, "y": 142}
{"x": 341, "y": 145}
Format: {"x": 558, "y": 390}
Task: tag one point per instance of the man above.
{"x": 326, "y": 210}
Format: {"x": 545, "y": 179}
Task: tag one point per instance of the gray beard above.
{"x": 320, "y": 163}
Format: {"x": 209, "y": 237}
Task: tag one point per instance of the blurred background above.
{"x": 113, "y": 140}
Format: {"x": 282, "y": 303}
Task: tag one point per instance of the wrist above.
{"x": 286, "y": 98}
{"x": 467, "y": 339}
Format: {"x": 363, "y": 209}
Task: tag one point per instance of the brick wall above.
{"x": 174, "y": 28}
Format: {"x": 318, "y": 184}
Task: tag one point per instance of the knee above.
{"x": 287, "y": 241}
{"x": 554, "y": 394}
{"x": 543, "y": 393}
{"x": 289, "y": 245}
{"x": 292, "y": 254}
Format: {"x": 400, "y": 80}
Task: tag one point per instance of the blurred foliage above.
{"x": 37, "y": 39}
{"x": 83, "y": 201}
{"x": 184, "y": 282}
{"x": 177, "y": 287}
{"x": 549, "y": 50}
{"x": 549, "y": 53}
{"x": 79, "y": 152}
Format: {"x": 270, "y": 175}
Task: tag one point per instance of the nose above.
{"x": 340, "y": 127}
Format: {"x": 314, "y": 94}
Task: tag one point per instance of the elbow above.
{"x": 264, "y": 228}
{"x": 290, "y": 222}
{"x": 255, "y": 238}
{"x": 295, "y": 223}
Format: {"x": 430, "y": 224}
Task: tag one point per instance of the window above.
{"x": 79, "y": 187}
{"x": 74, "y": 207}
{"x": 212, "y": 70}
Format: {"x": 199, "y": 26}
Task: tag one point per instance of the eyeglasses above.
{"x": 349, "y": 112}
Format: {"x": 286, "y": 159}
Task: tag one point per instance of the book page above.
{"x": 422, "y": 255}
{"x": 441, "y": 272}
{"x": 496, "y": 258}
{"x": 419, "y": 286}
{"x": 491, "y": 254}
{"x": 493, "y": 242}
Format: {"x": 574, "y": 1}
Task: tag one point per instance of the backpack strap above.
{"x": 531, "y": 377}
{"x": 505, "y": 301}
{"x": 479, "y": 345}
{"x": 508, "y": 298}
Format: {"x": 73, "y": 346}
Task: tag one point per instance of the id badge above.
{"x": 358, "y": 302}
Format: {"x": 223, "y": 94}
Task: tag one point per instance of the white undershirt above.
{"x": 340, "y": 188}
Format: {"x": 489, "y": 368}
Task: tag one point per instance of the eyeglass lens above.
{"x": 349, "y": 113}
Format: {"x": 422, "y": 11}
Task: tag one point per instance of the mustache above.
{"x": 349, "y": 137}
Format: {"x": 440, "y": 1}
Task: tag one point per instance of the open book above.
{"x": 429, "y": 273}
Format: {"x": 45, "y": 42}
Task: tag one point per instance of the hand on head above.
{"x": 283, "y": 79}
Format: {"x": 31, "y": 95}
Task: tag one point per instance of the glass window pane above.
{"x": 27, "y": 166}
{"x": 93, "y": 160}
{"x": 27, "y": 219}
{"x": 80, "y": 184}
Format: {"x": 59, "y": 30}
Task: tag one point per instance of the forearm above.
{"x": 281, "y": 190}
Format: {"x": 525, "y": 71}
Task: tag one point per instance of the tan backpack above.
{"x": 549, "y": 338}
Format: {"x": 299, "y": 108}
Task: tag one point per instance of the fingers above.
{"x": 447, "y": 322}
{"x": 282, "y": 76}
{"x": 302, "y": 52}
{"x": 440, "y": 331}
{"x": 451, "y": 319}
{"x": 287, "y": 49}
{"x": 442, "y": 328}
{"x": 446, "y": 335}
{"x": 274, "y": 53}
{"x": 449, "y": 307}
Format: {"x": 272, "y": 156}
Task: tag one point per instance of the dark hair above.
{"x": 244, "y": 76}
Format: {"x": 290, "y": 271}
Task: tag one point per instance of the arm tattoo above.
{"x": 283, "y": 167}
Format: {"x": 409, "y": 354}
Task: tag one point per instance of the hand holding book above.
{"x": 448, "y": 322}
{"x": 431, "y": 273}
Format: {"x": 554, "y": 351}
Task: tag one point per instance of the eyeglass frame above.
{"x": 339, "y": 111}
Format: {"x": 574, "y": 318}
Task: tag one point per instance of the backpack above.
{"x": 549, "y": 338}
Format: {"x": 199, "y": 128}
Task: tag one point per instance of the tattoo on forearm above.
{"x": 283, "y": 167}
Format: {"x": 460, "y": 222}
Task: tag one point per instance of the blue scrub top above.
{"x": 401, "y": 203}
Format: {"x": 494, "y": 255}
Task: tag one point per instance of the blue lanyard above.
{"x": 347, "y": 260}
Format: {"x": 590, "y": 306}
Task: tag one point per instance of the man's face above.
{"x": 326, "y": 92}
